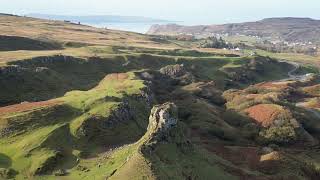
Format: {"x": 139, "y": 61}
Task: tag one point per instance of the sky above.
{"x": 188, "y": 11}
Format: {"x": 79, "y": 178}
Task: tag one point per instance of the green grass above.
{"x": 305, "y": 59}
{"x": 83, "y": 68}
{"x": 22, "y": 150}
{"x": 76, "y": 129}
{"x": 242, "y": 39}
{"x": 171, "y": 163}
{"x": 49, "y": 130}
{"x": 27, "y": 151}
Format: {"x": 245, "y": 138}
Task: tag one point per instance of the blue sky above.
{"x": 189, "y": 11}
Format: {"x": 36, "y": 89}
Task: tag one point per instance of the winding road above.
{"x": 293, "y": 77}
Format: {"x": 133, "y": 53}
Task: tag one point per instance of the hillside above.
{"x": 285, "y": 29}
{"x": 78, "y": 102}
{"x": 70, "y": 34}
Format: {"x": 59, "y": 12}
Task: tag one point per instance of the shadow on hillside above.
{"x": 14, "y": 43}
{"x": 5, "y": 161}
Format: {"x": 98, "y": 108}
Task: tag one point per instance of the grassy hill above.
{"x": 103, "y": 104}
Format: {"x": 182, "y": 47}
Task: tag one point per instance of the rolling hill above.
{"x": 286, "y": 29}
{"x": 78, "y": 102}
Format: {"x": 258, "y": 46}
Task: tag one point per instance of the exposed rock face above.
{"x": 174, "y": 70}
{"x": 178, "y": 72}
{"x": 12, "y": 69}
{"x": 49, "y": 59}
{"x": 41, "y": 69}
{"x": 162, "y": 118}
{"x": 121, "y": 114}
{"x": 146, "y": 96}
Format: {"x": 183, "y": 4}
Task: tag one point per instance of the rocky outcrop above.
{"x": 146, "y": 96}
{"x": 15, "y": 70}
{"x": 178, "y": 72}
{"x": 174, "y": 71}
{"x": 12, "y": 69}
{"x": 162, "y": 118}
{"x": 41, "y": 69}
{"x": 121, "y": 114}
{"x": 47, "y": 60}
{"x": 91, "y": 126}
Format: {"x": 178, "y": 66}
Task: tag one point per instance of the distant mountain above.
{"x": 99, "y": 18}
{"x": 286, "y": 29}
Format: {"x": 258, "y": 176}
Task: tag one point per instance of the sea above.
{"x": 133, "y": 27}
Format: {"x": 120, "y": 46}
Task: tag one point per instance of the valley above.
{"x": 78, "y": 102}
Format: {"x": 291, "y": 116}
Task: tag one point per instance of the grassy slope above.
{"x": 54, "y": 130}
{"x": 300, "y": 58}
{"x": 83, "y": 71}
{"x": 32, "y": 147}
{"x": 67, "y": 32}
